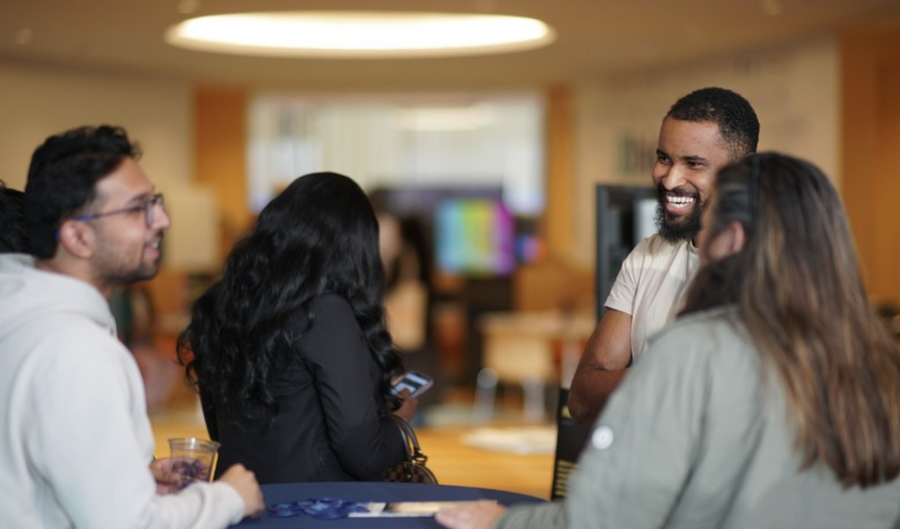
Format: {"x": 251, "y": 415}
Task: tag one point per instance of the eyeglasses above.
{"x": 148, "y": 207}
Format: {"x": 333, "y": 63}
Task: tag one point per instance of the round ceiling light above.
{"x": 359, "y": 34}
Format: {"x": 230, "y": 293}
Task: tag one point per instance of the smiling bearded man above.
{"x": 702, "y": 132}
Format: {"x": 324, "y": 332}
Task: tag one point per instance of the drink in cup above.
{"x": 193, "y": 459}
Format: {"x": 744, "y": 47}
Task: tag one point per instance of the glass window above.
{"x": 465, "y": 140}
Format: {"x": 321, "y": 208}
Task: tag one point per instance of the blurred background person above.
{"x": 773, "y": 401}
{"x": 409, "y": 296}
{"x": 132, "y": 307}
{"x": 289, "y": 350}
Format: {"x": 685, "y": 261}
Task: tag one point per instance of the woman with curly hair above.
{"x": 289, "y": 350}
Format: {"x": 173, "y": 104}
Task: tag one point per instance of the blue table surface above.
{"x": 371, "y": 492}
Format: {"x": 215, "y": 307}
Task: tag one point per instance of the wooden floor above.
{"x": 453, "y": 461}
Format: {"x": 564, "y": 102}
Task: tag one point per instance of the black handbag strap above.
{"x": 410, "y": 441}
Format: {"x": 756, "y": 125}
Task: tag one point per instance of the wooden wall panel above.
{"x": 220, "y": 154}
{"x": 560, "y": 195}
{"x": 870, "y": 153}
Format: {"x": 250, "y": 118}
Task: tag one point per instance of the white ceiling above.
{"x": 595, "y": 38}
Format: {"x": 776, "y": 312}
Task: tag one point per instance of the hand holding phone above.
{"x": 417, "y": 383}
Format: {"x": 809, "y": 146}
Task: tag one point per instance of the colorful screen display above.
{"x": 474, "y": 237}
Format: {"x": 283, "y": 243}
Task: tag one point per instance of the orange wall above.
{"x": 558, "y": 222}
{"x": 870, "y": 153}
{"x": 220, "y": 154}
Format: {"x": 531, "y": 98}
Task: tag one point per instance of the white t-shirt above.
{"x": 651, "y": 284}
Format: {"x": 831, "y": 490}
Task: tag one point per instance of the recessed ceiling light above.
{"x": 359, "y": 34}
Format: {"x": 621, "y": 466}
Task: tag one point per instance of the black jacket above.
{"x": 328, "y": 426}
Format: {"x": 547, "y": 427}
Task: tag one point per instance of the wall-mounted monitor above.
{"x": 625, "y": 216}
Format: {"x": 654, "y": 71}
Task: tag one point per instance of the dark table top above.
{"x": 371, "y": 492}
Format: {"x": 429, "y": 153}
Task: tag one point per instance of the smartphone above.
{"x": 417, "y": 383}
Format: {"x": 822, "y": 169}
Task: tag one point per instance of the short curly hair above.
{"x": 737, "y": 121}
{"x": 63, "y": 175}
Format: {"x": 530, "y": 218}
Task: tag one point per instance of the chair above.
{"x": 571, "y": 439}
{"x": 517, "y": 348}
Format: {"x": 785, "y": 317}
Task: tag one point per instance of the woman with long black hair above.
{"x": 289, "y": 350}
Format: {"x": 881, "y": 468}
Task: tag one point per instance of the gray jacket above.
{"x": 696, "y": 437}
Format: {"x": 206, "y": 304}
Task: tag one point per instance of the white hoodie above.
{"x": 75, "y": 440}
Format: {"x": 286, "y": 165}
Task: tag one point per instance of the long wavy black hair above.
{"x": 319, "y": 235}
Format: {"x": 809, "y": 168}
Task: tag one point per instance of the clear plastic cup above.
{"x": 198, "y": 458}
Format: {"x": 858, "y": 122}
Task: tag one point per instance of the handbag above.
{"x": 412, "y": 469}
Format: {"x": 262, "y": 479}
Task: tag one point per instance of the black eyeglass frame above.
{"x": 146, "y": 206}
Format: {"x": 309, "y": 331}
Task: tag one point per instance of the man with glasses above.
{"x": 76, "y": 446}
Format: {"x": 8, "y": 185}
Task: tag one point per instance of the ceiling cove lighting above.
{"x": 355, "y": 35}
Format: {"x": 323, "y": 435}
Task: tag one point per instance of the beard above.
{"x": 113, "y": 270}
{"x": 142, "y": 273}
{"x": 675, "y": 230}
{"x": 118, "y": 276}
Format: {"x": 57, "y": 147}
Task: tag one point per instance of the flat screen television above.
{"x": 625, "y": 216}
{"x": 474, "y": 237}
